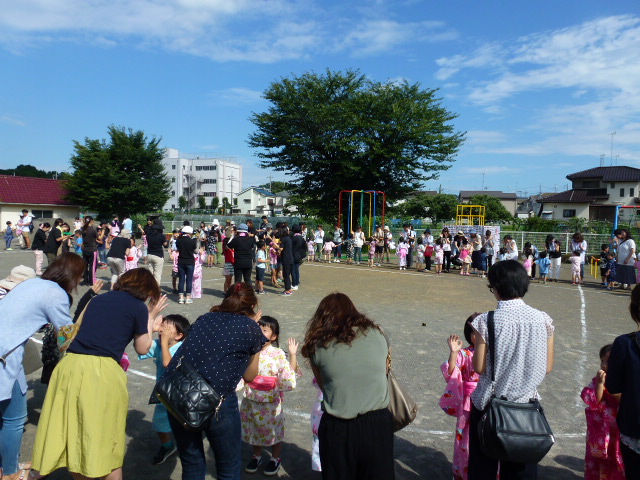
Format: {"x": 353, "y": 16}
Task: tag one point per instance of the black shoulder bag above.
{"x": 188, "y": 396}
{"x": 510, "y": 431}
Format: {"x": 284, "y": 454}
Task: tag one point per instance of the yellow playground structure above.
{"x": 470, "y": 215}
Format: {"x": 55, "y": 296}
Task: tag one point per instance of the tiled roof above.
{"x": 575, "y": 196}
{"x": 609, "y": 174}
{"x": 491, "y": 193}
{"x": 32, "y": 191}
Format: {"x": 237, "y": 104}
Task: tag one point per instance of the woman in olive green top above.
{"x": 348, "y": 355}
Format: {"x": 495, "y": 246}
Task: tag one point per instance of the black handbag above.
{"x": 510, "y": 431}
{"x": 188, "y": 396}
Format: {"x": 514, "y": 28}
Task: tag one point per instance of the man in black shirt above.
{"x": 53, "y": 242}
{"x": 244, "y": 248}
{"x": 156, "y": 242}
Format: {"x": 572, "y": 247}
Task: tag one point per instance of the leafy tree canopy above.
{"x": 121, "y": 176}
{"x": 437, "y": 207}
{"x": 495, "y": 210}
{"x": 341, "y": 131}
{"x": 276, "y": 186}
{"x": 31, "y": 171}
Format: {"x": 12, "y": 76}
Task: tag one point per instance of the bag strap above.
{"x": 492, "y": 345}
{"x": 386, "y": 337}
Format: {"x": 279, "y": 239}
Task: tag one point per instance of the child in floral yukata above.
{"x": 456, "y": 400}
{"x": 135, "y": 254}
{"x": 403, "y": 251}
{"x": 196, "y": 287}
{"x": 603, "y": 460}
{"x": 261, "y": 409}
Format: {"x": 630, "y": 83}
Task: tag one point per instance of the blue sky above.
{"x": 538, "y": 86}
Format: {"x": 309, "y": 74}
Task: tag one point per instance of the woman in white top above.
{"x": 488, "y": 242}
{"x": 523, "y": 353}
{"x": 445, "y": 236}
{"x": 512, "y": 247}
{"x": 626, "y": 259}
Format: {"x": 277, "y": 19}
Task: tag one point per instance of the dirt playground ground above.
{"x": 419, "y": 310}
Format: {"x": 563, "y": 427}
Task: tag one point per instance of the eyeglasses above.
{"x": 490, "y": 288}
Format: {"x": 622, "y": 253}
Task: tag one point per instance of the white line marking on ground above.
{"x": 583, "y": 326}
{"x": 142, "y": 374}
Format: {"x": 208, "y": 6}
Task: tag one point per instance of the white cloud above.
{"x": 12, "y": 120}
{"x": 222, "y": 30}
{"x": 484, "y": 136}
{"x": 238, "y": 95}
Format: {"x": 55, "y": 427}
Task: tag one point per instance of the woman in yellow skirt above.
{"x": 82, "y": 426}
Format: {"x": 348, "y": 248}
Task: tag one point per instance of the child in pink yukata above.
{"x": 131, "y": 261}
{"x": 602, "y": 460}
{"x": 575, "y": 267}
{"x": 403, "y": 251}
{"x": 456, "y": 400}
{"x": 196, "y": 287}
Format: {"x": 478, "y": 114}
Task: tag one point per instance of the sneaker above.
{"x": 294, "y": 287}
{"x": 272, "y": 467}
{"x": 9, "y": 249}
{"x": 188, "y": 300}
{"x": 181, "y": 299}
{"x": 262, "y": 292}
{"x": 163, "y": 454}
{"x": 252, "y": 466}
{"x": 286, "y": 293}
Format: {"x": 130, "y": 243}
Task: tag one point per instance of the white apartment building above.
{"x": 193, "y": 176}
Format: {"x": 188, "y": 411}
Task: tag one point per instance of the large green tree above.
{"x": 436, "y": 207}
{"x": 495, "y": 210}
{"x": 31, "y": 171}
{"x": 123, "y": 175}
{"x": 341, "y": 131}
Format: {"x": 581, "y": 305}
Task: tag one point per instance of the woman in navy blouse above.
{"x": 223, "y": 346}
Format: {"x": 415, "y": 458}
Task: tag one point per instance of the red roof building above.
{"x": 44, "y": 197}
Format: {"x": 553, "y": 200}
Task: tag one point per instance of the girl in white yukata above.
{"x": 196, "y": 286}
{"x": 456, "y": 401}
{"x": 131, "y": 260}
{"x": 261, "y": 409}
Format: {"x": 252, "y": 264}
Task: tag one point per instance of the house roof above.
{"x": 575, "y": 196}
{"x": 259, "y": 191}
{"x": 32, "y": 191}
{"x": 609, "y": 174}
{"x": 491, "y": 193}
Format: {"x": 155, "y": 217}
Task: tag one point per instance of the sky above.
{"x": 539, "y": 87}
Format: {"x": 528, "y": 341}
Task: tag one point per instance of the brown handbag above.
{"x": 401, "y": 405}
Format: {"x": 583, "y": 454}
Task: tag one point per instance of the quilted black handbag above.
{"x": 510, "y": 431}
{"x": 188, "y": 396}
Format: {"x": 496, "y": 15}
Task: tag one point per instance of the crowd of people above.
{"x": 235, "y": 348}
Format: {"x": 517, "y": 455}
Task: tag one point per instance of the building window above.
{"x": 209, "y": 180}
{"x": 173, "y": 207}
{"x": 205, "y": 167}
{"x": 173, "y": 193}
{"x": 622, "y": 192}
{"x": 613, "y": 185}
{"x": 42, "y": 213}
{"x": 568, "y": 213}
{"x": 631, "y": 192}
{"x": 209, "y": 194}
{"x": 173, "y": 179}
{"x": 173, "y": 167}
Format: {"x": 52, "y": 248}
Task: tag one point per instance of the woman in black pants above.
{"x": 446, "y": 246}
{"x": 187, "y": 247}
{"x": 622, "y": 377}
{"x": 89, "y": 250}
{"x": 286, "y": 258}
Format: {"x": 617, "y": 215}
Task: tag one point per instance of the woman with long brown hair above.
{"x": 348, "y": 356}
{"x": 83, "y": 420}
{"x": 223, "y": 346}
{"x": 27, "y": 307}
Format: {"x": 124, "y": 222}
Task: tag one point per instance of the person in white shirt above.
{"x": 25, "y": 225}
{"x": 318, "y": 240}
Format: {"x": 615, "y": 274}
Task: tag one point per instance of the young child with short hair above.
{"x": 229, "y": 259}
{"x": 372, "y": 251}
{"x": 543, "y": 266}
{"x": 419, "y": 252}
{"x": 402, "y": 252}
{"x": 327, "y": 250}
{"x": 261, "y": 266}
{"x": 439, "y": 254}
{"x": 611, "y": 270}
{"x": 311, "y": 253}
{"x": 173, "y": 332}
{"x": 575, "y": 267}
{"x": 8, "y": 236}
{"x": 604, "y": 258}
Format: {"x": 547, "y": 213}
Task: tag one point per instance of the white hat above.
{"x": 187, "y": 229}
{"x": 386, "y": 228}
{"x": 18, "y": 275}
{"x": 216, "y": 222}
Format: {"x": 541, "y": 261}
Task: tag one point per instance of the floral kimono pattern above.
{"x": 316, "y": 415}
{"x": 261, "y": 410}
{"x": 602, "y": 460}
{"x": 196, "y": 286}
{"x": 456, "y": 401}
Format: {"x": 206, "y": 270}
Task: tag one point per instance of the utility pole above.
{"x": 612, "y": 134}
{"x": 482, "y": 181}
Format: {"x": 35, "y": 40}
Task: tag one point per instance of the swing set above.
{"x": 354, "y": 201}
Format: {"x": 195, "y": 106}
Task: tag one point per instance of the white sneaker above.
{"x": 294, "y": 287}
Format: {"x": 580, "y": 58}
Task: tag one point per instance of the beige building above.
{"x": 595, "y": 194}
{"x": 43, "y": 197}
